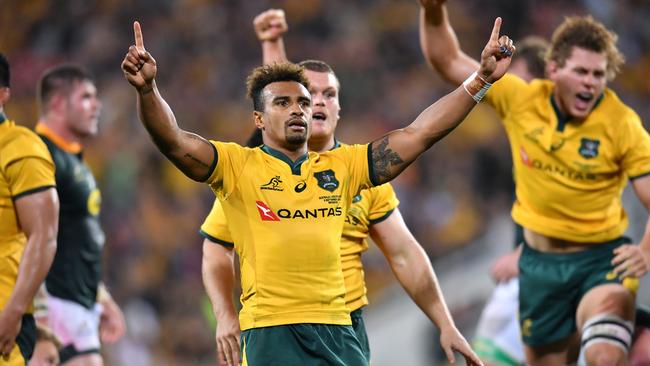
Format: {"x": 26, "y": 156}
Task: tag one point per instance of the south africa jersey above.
{"x": 286, "y": 220}
{"x": 570, "y": 174}
{"x": 369, "y": 207}
{"x": 76, "y": 270}
{"x": 25, "y": 168}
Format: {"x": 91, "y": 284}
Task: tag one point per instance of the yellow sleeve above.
{"x": 215, "y": 226}
{"x": 504, "y": 93}
{"x": 358, "y": 162}
{"x": 383, "y": 203}
{"x": 27, "y": 164}
{"x": 230, "y": 162}
{"x": 634, "y": 145}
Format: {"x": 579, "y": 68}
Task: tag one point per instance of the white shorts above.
{"x": 497, "y": 332}
{"x": 73, "y": 324}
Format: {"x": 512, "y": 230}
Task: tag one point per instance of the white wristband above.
{"x": 476, "y": 87}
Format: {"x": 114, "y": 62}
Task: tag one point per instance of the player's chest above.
{"x": 548, "y": 144}
{"x": 76, "y": 184}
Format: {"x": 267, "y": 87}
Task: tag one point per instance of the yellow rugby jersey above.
{"x": 369, "y": 207}
{"x": 286, "y": 220}
{"x": 570, "y": 175}
{"x": 25, "y": 167}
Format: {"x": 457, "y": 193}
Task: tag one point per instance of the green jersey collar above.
{"x": 295, "y": 166}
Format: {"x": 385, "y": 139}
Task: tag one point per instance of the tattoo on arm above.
{"x": 383, "y": 158}
{"x": 197, "y": 160}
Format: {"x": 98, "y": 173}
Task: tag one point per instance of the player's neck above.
{"x": 322, "y": 145}
{"x": 60, "y": 128}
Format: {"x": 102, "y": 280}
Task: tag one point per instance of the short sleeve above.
{"x": 505, "y": 92}
{"x": 27, "y": 164}
{"x": 230, "y": 161}
{"x": 215, "y": 226}
{"x": 383, "y": 203}
{"x": 358, "y": 160}
{"x": 634, "y": 144}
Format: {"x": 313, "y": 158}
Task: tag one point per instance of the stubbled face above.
{"x": 324, "y": 89}
{"x": 580, "y": 82}
{"x": 287, "y": 114}
{"x": 82, "y": 109}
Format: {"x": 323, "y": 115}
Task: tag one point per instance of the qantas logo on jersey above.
{"x": 553, "y": 169}
{"x": 266, "y": 214}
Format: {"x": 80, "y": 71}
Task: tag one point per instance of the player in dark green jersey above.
{"x": 79, "y": 307}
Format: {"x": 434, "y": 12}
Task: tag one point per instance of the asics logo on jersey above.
{"x": 300, "y": 187}
{"x": 273, "y": 185}
{"x": 327, "y": 180}
{"x": 266, "y": 214}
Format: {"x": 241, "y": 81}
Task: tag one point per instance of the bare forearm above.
{"x": 440, "y": 45}
{"x": 34, "y": 266}
{"x": 159, "y": 120}
{"x": 191, "y": 153}
{"x": 273, "y": 52}
{"x": 219, "y": 280}
{"x": 395, "y": 151}
{"x": 416, "y": 275}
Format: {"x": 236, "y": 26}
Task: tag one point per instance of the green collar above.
{"x": 562, "y": 120}
{"x": 295, "y": 166}
{"x": 2, "y": 117}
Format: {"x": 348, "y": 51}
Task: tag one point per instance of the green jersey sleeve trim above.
{"x": 31, "y": 191}
{"x": 380, "y": 219}
{"x": 224, "y": 243}
{"x": 371, "y": 170}
{"x": 640, "y": 176}
{"x": 214, "y": 163}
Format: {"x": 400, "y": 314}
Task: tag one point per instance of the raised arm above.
{"x": 440, "y": 45}
{"x": 413, "y": 270}
{"x": 38, "y": 215}
{"x": 392, "y": 153}
{"x": 218, "y": 271}
{"x": 269, "y": 28}
{"x": 191, "y": 153}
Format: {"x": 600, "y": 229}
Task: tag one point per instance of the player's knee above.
{"x": 606, "y": 340}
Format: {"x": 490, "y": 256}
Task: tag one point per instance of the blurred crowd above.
{"x": 204, "y": 50}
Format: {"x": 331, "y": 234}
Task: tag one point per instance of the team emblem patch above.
{"x": 327, "y": 180}
{"x": 275, "y": 184}
{"x": 588, "y": 148}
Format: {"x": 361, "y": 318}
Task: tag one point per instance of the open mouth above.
{"x": 297, "y": 124}
{"x": 319, "y": 116}
{"x": 583, "y": 100}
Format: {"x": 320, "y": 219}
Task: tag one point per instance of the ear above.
{"x": 259, "y": 120}
{"x": 5, "y": 94}
{"x": 552, "y": 68}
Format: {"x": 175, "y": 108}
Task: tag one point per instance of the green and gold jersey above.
{"x": 369, "y": 207}
{"x": 570, "y": 175}
{"x": 25, "y": 168}
{"x": 76, "y": 270}
{"x": 286, "y": 220}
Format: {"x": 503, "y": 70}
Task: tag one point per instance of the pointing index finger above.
{"x": 494, "y": 37}
{"x": 139, "y": 43}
